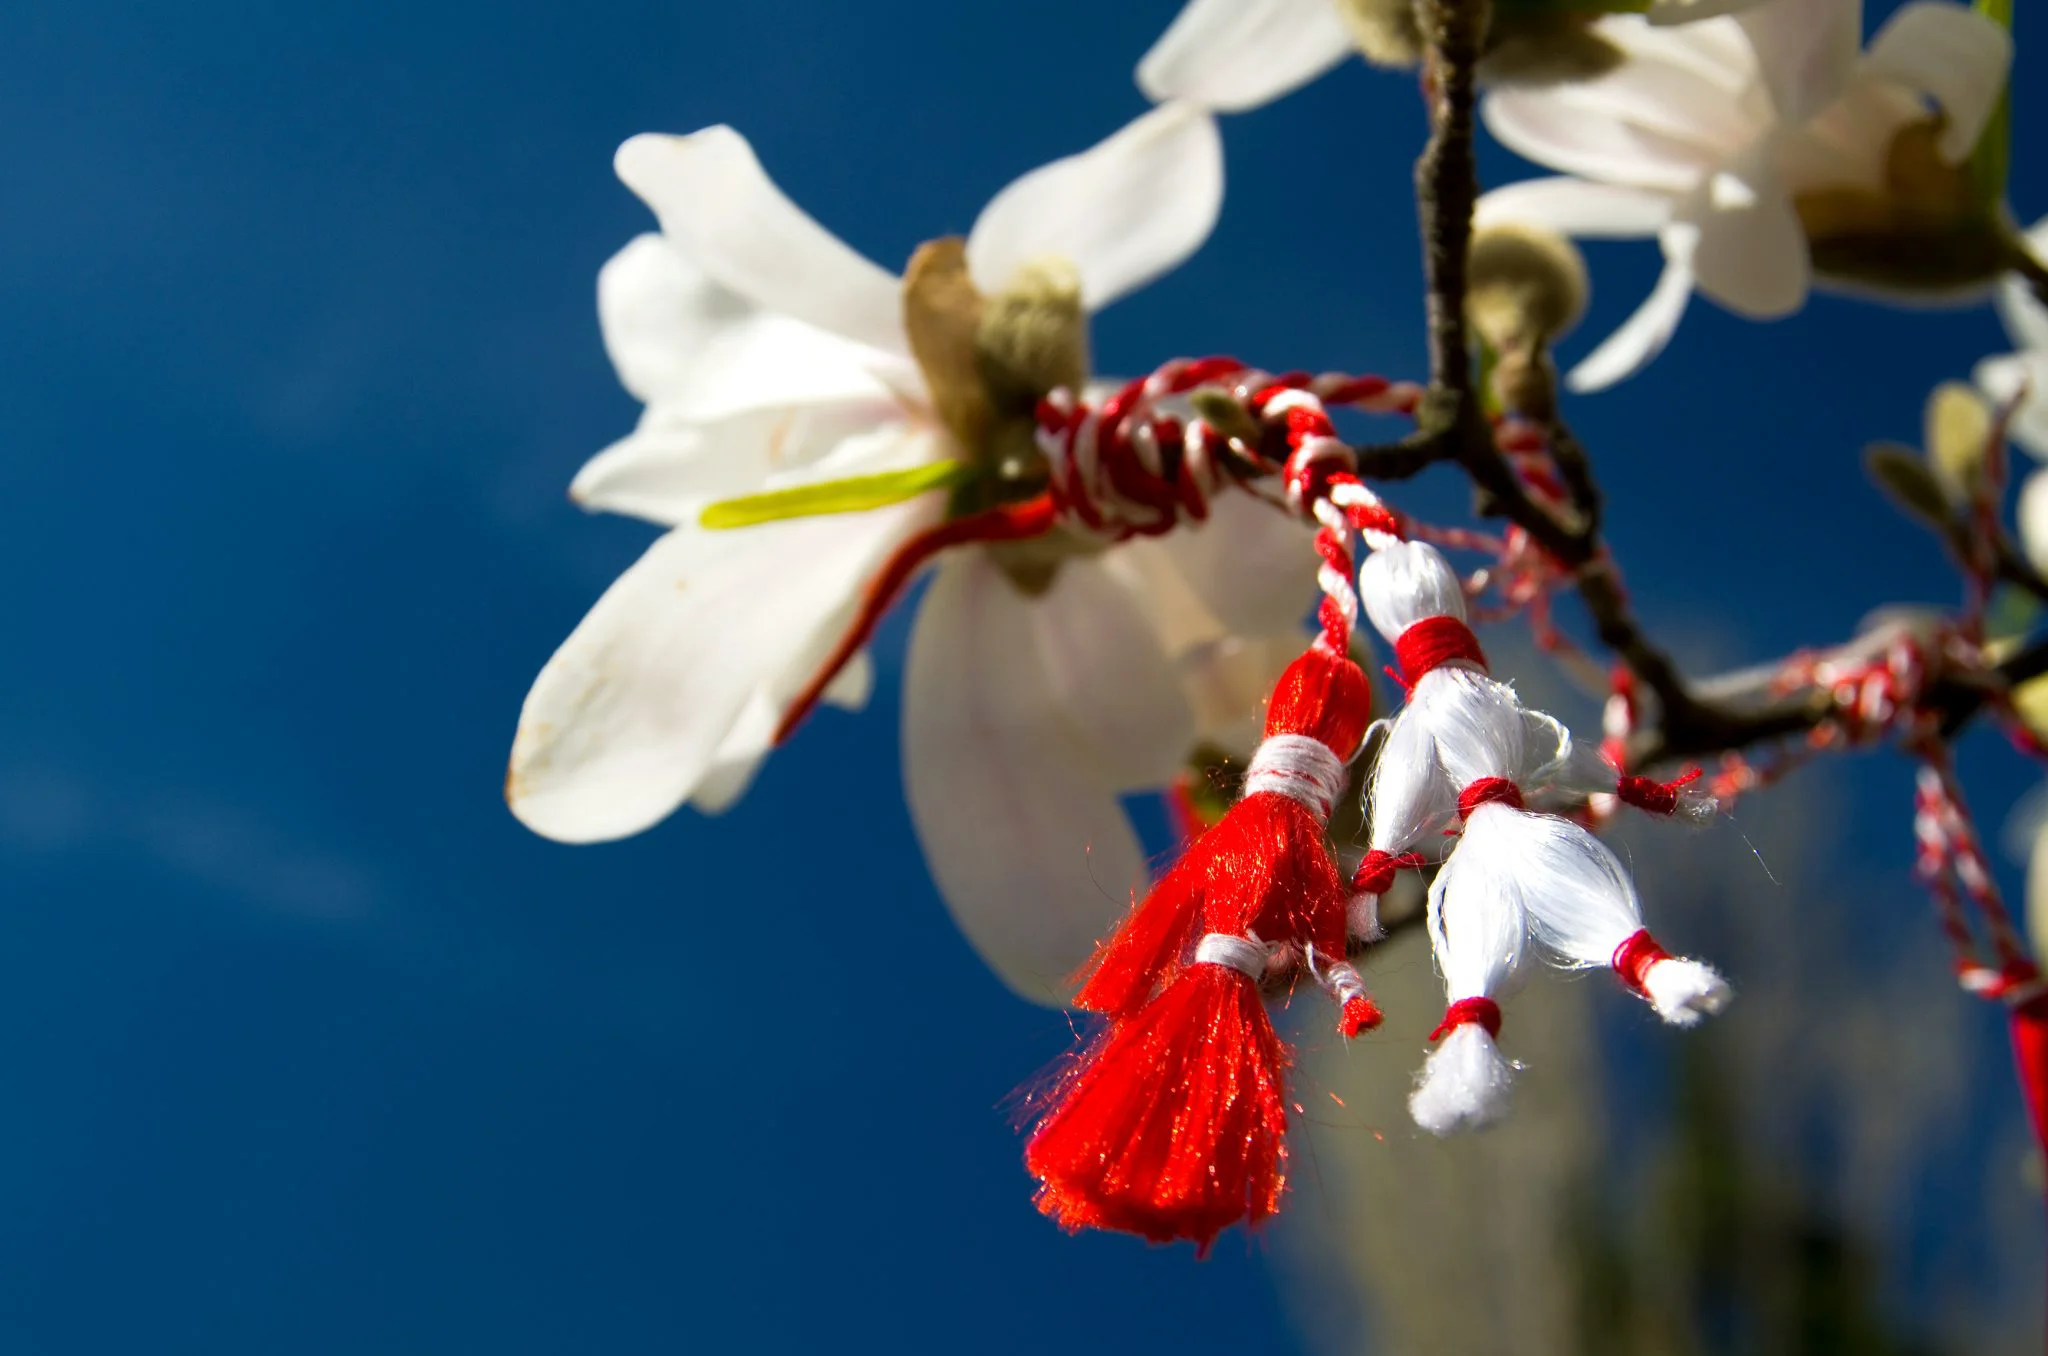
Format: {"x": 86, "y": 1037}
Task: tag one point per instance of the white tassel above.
{"x": 1465, "y": 741}
{"x": 1478, "y": 929}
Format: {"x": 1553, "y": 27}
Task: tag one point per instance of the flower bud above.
{"x": 1388, "y": 32}
{"x": 1958, "y": 438}
{"x": 1032, "y": 337}
{"x": 1525, "y": 286}
{"x": 941, "y": 313}
{"x": 1523, "y": 46}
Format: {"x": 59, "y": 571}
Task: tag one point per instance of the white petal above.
{"x": 1956, "y": 56}
{"x": 634, "y": 710}
{"x": 666, "y": 470}
{"x": 1807, "y": 49}
{"x": 700, "y": 351}
{"x": 720, "y": 208}
{"x": 1671, "y": 13}
{"x": 1252, "y": 567}
{"x": 1237, "y": 54}
{"x": 739, "y": 757}
{"x": 2003, "y": 378}
{"x": 1556, "y": 128}
{"x": 1641, "y": 337}
{"x": 2032, "y": 514}
{"x": 853, "y": 686}
{"x": 1674, "y": 84}
{"x": 2026, "y": 319}
{"x": 1122, "y": 212}
{"x": 1576, "y": 207}
{"x": 1024, "y": 836}
{"x": 752, "y": 738}
{"x": 1120, "y": 691}
{"x": 1751, "y": 251}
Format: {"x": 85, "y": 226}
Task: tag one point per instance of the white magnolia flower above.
{"x": 2007, "y": 377}
{"x": 1739, "y": 142}
{"x": 1233, "y": 55}
{"x": 796, "y": 449}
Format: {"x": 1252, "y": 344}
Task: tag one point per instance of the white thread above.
{"x": 1231, "y": 952}
{"x": 1340, "y": 979}
{"x": 1300, "y": 768}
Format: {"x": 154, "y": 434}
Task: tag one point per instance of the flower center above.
{"x": 1919, "y": 230}
{"x": 987, "y": 361}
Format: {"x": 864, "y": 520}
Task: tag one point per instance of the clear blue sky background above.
{"x": 305, "y": 1045}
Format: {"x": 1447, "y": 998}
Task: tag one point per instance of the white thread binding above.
{"x": 1231, "y": 952}
{"x": 1300, "y": 768}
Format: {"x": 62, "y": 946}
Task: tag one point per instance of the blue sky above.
{"x": 305, "y": 1045}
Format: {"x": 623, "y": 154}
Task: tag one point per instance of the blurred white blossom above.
{"x": 2011, "y": 375}
{"x": 1740, "y": 142}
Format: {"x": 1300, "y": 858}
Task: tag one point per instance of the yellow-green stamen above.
{"x": 855, "y": 494}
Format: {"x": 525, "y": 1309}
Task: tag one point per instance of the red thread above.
{"x": 1485, "y": 791}
{"x": 1483, "y": 1012}
{"x": 1375, "y": 875}
{"x": 1652, "y": 796}
{"x": 1359, "y": 1015}
{"x": 1432, "y": 642}
{"x": 1634, "y": 957}
{"x": 1009, "y": 522}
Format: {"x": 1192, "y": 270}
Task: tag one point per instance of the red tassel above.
{"x": 1173, "y": 1124}
{"x": 1268, "y": 847}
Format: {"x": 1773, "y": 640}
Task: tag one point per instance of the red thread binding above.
{"x": 1469, "y": 1011}
{"x": 1652, "y": 796}
{"x": 1375, "y": 875}
{"x": 1634, "y": 957}
{"x": 1485, "y": 791}
{"x": 1432, "y": 643}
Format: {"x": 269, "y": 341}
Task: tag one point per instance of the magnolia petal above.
{"x": 2004, "y": 378}
{"x": 700, "y": 351}
{"x": 1751, "y": 253}
{"x": 1576, "y": 207}
{"x": 1252, "y": 566}
{"x": 1674, "y": 84}
{"x": 1956, "y": 56}
{"x": 634, "y": 710}
{"x": 739, "y": 758}
{"x": 1642, "y": 336}
{"x": 720, "y": 208}
{"x": 667, "y": 470}
{"x": 1024, "y": 836}
{"x": 1674, "y": 13}
{"x": 1237, "y": 54}
{"x": 2026, "y": 319}
{"x": 1807, "y": 50}
{"x": 1122, "y": 212}
{"x": 1107, "y": 670}
{"x": 1555, "y": 128}
{"x": 752, "y": 739}
{"x": 2032, "y": 514}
